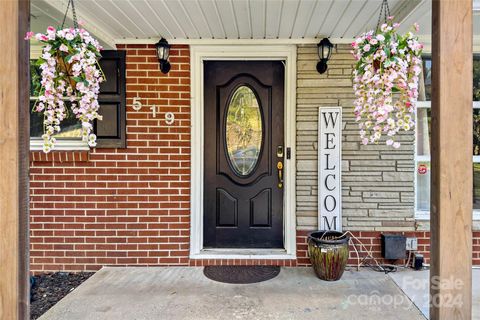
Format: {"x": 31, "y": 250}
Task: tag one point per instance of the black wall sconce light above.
{"x": 324, "y": 52}
{"x": 163, "y": 52}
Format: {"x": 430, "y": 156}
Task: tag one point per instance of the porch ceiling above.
{"x": 117, "y": 21}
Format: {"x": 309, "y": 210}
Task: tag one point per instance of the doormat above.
{"x": 241, "y": 274}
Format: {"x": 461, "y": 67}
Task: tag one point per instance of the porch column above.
{"x": 14, "y": 139}
{"x": 451, "y": 185}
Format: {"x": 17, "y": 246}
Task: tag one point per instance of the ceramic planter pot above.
{"x": 328, "y": 251}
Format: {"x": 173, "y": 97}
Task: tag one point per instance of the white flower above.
{"x": 92, "y": 140}
{"x": 63, "y": 48}
{"x": 46, "y": 55}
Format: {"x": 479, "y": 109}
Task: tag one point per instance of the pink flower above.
{"x": 41, "y": 37}
{"x": 29, "y": 35}
{"x": 63, "y": 48}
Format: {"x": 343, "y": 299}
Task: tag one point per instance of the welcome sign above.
{"x": 329, "y": 168}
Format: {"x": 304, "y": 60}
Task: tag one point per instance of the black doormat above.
{"x": 241, "y": 274}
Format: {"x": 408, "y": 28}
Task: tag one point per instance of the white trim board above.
{"x": 425, "y": 215}
{"x": 198, "y": 54}
{"x": 425, "y": 39}
{"x": 264, "y": 254}
{"x": 61, "y": 145}
{"x": 225, "y": 42}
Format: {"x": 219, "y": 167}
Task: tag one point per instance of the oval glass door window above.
{"x": 243, "y": 131}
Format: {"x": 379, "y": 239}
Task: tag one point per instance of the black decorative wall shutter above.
{"x": 111, "y": 131}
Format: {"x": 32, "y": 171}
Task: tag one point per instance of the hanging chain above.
{"x": 74, "y": 15}
{"x": 385, "y": 10}
{"x": 75, "y": 23}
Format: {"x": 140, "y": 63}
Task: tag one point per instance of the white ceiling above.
{"x": 115, "y": 21}
{"x": 423, "y": 15}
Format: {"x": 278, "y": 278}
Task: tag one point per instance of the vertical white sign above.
{"x": 329, "y": 168}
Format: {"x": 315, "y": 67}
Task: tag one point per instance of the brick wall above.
{"x": 121, "y": 206}
{"x": 131, "y": 206}
{"x": 377, "y": 180}
{"x": 372, "y": 242}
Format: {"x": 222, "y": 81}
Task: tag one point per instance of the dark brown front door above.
{"x": 243, "y": 191}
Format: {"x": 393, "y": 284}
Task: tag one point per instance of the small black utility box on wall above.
{"x": 394, "y": 246}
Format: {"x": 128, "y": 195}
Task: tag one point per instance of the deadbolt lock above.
{"x": 280, "y": 151}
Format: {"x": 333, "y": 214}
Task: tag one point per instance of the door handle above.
{"x": 280, "y": 174}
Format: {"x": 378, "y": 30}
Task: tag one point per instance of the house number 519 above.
{"x": 137, "y": 105}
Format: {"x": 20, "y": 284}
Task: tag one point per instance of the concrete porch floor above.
{"x": 416, "y": 285}
{"x": 185, "y": 293}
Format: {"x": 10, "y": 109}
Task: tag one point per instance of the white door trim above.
{"x": 198, "y": 54}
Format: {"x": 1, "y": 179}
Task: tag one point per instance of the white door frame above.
{"x": 198, "y": 54}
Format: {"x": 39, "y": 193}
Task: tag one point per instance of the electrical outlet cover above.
{"x": 412, "y": 244}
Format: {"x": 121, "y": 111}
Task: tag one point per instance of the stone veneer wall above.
{"x": 377, "y": 180}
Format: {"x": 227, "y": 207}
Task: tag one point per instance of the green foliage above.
{"x": 476, "y": 80}
{"x": 476, "y": 133}
{"x": 35, "y": 80}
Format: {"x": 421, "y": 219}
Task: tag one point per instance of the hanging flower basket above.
{"x": 66, "y": 68}
{"x": 69, "y": 72}
{"x": 385, "y": 81}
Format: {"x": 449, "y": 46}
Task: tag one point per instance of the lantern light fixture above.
{"x": 324, "y": 53}
{"x": 163, "y": 52}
